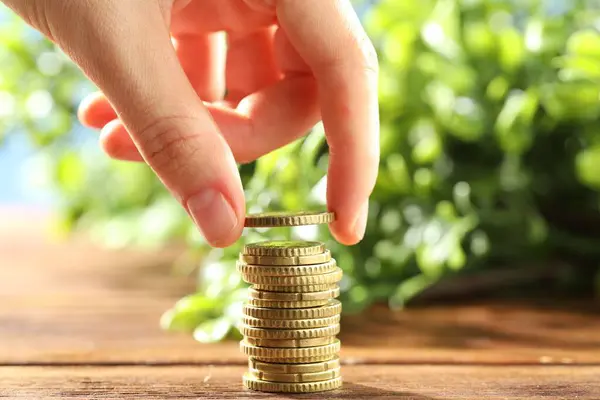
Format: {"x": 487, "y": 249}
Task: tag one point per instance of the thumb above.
{"x": 125, "y": 48}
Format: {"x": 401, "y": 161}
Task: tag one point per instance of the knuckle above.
{"x": 372, "y": 156}
{"x": 359, "y": 56}
{"x": 166, "y": 144}
{"x": 35, "y": 14}
{"x": 48, "y": 16}
{"x": 368, "y": 55}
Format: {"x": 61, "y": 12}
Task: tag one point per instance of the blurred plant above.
{"x": 490, "y": 158}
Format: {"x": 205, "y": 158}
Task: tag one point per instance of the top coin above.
{"x": 284, "y": 248}
{"x": 282, "y": 218}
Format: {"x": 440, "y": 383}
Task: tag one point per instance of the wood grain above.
{"x": 75, "y": 303}
{"x": 72, "y": 301}
{"x": 81, "y": 322}
{"x": 361, "y": 382}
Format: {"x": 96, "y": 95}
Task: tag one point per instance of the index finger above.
{"x": 329, "y": 37}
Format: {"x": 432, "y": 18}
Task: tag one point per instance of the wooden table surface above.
{"x": 77, "y": 321}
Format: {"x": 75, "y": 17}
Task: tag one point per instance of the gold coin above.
{"x": 311, "y": 342}
{"x": 333, "y": 307}
{"x": 285, "y": 368}
{"x": 286, "y": 270}
{"x": 298, "y": 360}
{"x": 288, "y": 260}
{"x": 306, "y": 280}
{"x": 295, "y": 378}
{"x": 295, "y": 289}
{"x": 290, "y": 323}
{"x": 279, "y": 334}
{"x": 277, "y": 368}
{"x": 265, "y": 353}
{"x": 284, "y": 248}
{"x": 286, "y": 304}
{"x": 252, "y": 383}
{"x": 282, "y": 218}
{"x": 278, "y": 296}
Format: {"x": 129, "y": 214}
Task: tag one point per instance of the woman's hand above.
{"x": 163, "y": 67}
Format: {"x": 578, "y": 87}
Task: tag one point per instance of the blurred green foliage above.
{"x": 490, "y": 157}
{"x": 29, "y": 89}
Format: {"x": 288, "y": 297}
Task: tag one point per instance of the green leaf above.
{"x": 571, "y": 100}
{"x": 441, "y": 32}
{"x": 181, "y": 320}
{"x": 358, "y": 298}
{"x": 396, "y": 165}
{"x": 584, "y": 43}
{"x": 479, "y": 39}
{"x": 198, "y": 303}
{"x": 189, "y": 312}
{"x": 212, "y": 331}
{"x": 511, "y": 49}
{"x": 514, "y": 124}
{"x": 399, "y": 43}
{"x": 408, "y": 289}
{"x": 588, "y": 167}
{"x": 71, "y": 172}
{"x": 427, "y": 144}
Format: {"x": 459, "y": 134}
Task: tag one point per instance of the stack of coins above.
{"x": 291, "y": 318}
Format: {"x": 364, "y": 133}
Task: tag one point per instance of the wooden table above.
{"x": 80, "y": 322}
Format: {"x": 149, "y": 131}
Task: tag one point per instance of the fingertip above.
{"x": 227, "y": 241}
{"x": 343, "y": 234}
{"x": 217, "y": 215}
{"x": 238, "y": 207}
{"x": 360, "y": 223}
{"x": 349, "y": 227}
{"x": 95, "y": 111}
{"x": 116, "y": 142}
{"x": 108, "y": 136}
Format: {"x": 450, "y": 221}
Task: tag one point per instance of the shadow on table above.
{"x": 357, "y": 391}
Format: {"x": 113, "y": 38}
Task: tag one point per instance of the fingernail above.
{"x": 360, "y": 225}
{"x": 213, "y": 214}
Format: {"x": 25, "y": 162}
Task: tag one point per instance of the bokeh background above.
{"x": 489, "y": 178}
